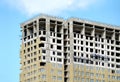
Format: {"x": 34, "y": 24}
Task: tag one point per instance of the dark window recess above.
{"x": 117, "y": 43}
{"x": 86, "y": 43}
{"x": 43, "y": 51}
{"x": 96, "y": 63}
{"x": 81, "y": 36}
{"x": 102, "y": 52}
{"x": 118, "y": 48}
{"x": 58, "y": 41}
{"x": 102, "y": 46}
{"x": 34, "y": 47}
{"x": 91, "y": 62}
{"x": 112, "y": 47}
{"x": 42, "y": 63}
{"x": 87, "y": 61}
{"x": 82, "y": 48}
{"x": 35, "y": 34}
{"x": 91, "y": 44}
{"x": 118, "y": 54}
{"x": 24, "y": 51}
{"x": 91, "y": 50}
{"x": 59, "y": 29}
{"x": 108, "y": 53}
{"x": 97, "y": 57}
{"x": 91, "y": 38}
{"x": 82, "y": 60}
{"x": 59, "y": 47}
{"x": 53, "y": 40}
{"x": 59, "y": 53}
{"x": 24, "y": 63}
{"x": 34, "y": 53}
{"x": 53, "y": 53}
{"x": 102, "y": 64}
{"x": 25, "y": 32}
{"x": 41, "y": 45}
{"x": 82, "y": 54}
{"x": 102, "y": 58}
{"x": 91, "y": 56}
{"x": 35, "y": 41}
{"x": 74, "y": 41}
{"x": 81, "y": 42}
{"x": 112, "y": 53}
{"x": 28, "y": 49}
{"x": 28, "y": 37}
{"x": 51, "y": 46}
{"x": 95, "y": 44}
{"x": 52, "y": 29}
{"x": 112, "y": 65}
{"x": 28, "y": 61}
{"x": 75, "y": 60}
{"x": 59, "y": 59}
{"x": 86, "y": 49}
{"x": 74, "y": 35}
{"x": 112, "y": 41}
{"x": 96, "y": 50}
{"x": 35, "y": 59}
{"x": 44, "y": 32}
{"x": 58, "y": 35}
{"x": 113, "y": 71}
{"x": 74, "y": 53}
{"x": 87, "y": 55}
{"x": 117, "y": 66}
{"x": 74, "y": 47}
{"x": 39, "y": 32}
{"x": 39, "y": 57}
{"x": 102, "y": 40}
{"x": 28, "y": 43}
{"x": 44, "y": 57}
{"x": 112, "y": 59}
{"x": 118, "y": 60}
{"x": 42, "y": 38}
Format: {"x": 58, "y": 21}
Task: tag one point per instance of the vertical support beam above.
{"x": 37, "y": 27}
{"x": 47, "y": 38}
{"x": 71, "y": 41}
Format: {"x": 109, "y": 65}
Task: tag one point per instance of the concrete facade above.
{"x": 73, "y": 50}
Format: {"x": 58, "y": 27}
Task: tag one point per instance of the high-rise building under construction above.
{"x": 73, "y": 50}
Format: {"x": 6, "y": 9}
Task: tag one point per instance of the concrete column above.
{"x": 48, "y": 39}
{"x": 71, "y": 41}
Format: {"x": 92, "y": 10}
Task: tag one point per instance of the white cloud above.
{"x": 31, "y": 7}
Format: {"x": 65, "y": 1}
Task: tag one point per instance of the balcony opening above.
{"x": 117, "y": 66}
{"x": 118, "y": 48}
{"x": 59, "y": 41}
{"x": 42, "y": 38}
{"x": 42, "y": 63}
{"x": 117, "y": 43}
{"x": 58, "y": 35}
{"x": 59, "y": 59}
{"x": 41, "y": 45}
{"x": 59, "y": 47}
{"x": 59, "y": 53}
{"x": 118, "y": 60}
{"x": 113, "y": 71}
{"x": 118, "y": 54}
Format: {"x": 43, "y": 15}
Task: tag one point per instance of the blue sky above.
{"x": 14, "y": 12}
